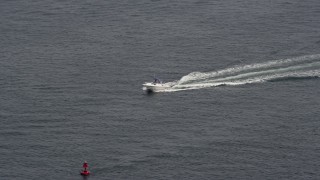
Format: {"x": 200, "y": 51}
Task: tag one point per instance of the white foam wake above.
{"x": 298, "y": 67}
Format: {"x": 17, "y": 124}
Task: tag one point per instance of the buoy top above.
{"x": 85, "y": 164}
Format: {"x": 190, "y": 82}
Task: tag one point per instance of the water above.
{"x": 244, "y": 105}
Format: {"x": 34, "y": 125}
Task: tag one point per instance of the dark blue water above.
{"x": 70, "y": 89}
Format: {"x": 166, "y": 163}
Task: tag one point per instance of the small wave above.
{"x": 293, "y": 78}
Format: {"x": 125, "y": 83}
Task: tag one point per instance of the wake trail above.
{"x": 298, "y": 67}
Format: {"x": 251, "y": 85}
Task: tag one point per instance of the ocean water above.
{"x": 244, "y": 102}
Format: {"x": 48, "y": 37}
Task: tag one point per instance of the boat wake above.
{"x": 278, "y": 70}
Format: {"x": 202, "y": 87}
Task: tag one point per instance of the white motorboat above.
{"x": 156, "y": 86}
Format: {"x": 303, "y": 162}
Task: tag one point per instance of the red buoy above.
{"x": 85, "y": 171}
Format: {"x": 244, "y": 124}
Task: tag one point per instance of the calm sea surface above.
{"x": 71, "y": 75}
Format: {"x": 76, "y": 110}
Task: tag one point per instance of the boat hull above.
{"x": 154, "y": 87}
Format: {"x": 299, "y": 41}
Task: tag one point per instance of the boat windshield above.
{"x": 156, "y": 80}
